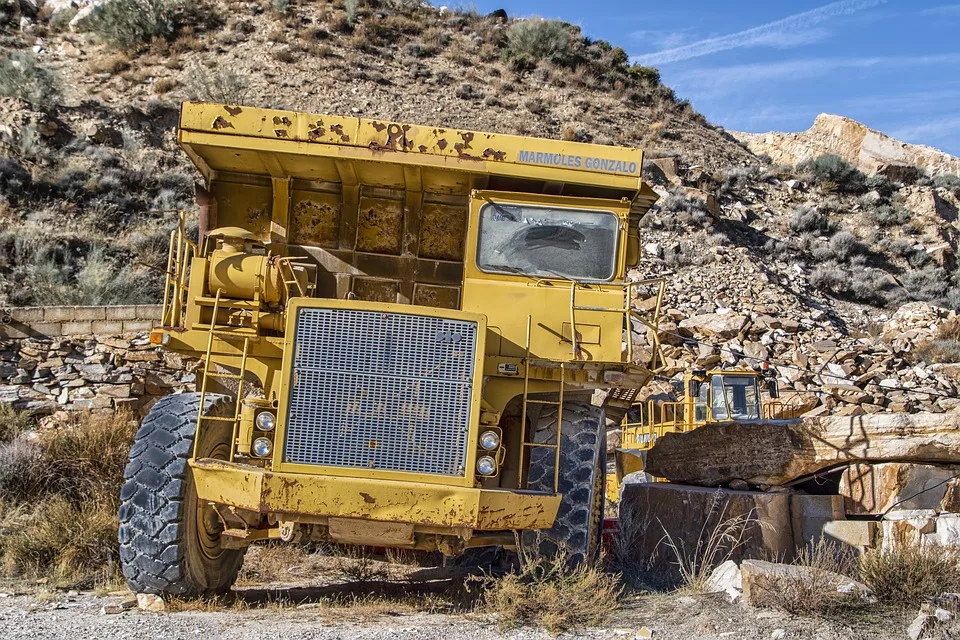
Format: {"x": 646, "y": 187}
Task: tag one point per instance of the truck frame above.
{"x": 399, "y": 331}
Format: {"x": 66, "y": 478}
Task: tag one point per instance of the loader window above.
{"x": 548, "y": 242}
{"x": 735, "y": 398}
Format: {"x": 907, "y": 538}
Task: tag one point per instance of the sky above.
{"x": 757, "y": 66}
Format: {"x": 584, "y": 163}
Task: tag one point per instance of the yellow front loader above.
{"x": 400, "y": 329}
{"x": 704, "y": 396}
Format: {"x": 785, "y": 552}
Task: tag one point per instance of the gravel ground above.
{"x": 60, "y": 616}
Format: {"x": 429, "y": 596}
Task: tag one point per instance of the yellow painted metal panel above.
{"x": 292, "y": 494}
{"x": 556, "y": 160}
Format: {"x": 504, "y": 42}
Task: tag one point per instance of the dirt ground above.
{"x": 414, "y": 607}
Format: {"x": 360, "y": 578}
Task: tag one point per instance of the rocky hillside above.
{"x": 799, "y": 254}
{"x": 868, "y": 150}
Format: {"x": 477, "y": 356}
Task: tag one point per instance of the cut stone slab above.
{"x": 878, "y": 488}
{"x": 776, "y": 452}
{"x": 649, "y": 512}
{"x": 760, "y": 579}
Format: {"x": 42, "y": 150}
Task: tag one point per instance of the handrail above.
{"x": 628, "y": 313}
{"x": 175, "y": 291}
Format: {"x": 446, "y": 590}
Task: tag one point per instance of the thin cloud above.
{"x": 793, "y": 30}
{"x": 718, "y": 81}
{"x": 945, "y": 10}
{"x": 938, "y": 130}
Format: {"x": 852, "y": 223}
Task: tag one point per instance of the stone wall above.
{"x": 75, "y": 358}
{"x": 54, "y": 322}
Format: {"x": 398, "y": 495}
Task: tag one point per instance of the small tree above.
{"x": 130, "y": 24}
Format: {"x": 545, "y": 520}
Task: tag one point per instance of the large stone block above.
{"x": 774, "y": 453}
{"x": 878, "y": 488}
{"x": 656, "y": 515}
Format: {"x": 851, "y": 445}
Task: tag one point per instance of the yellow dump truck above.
{"x": 399, "y": 329}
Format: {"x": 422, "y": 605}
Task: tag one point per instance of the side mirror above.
{"x": 773, "y": 388}
{"x": 633, "y": 249}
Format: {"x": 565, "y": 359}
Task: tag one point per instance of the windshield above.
{"x": 548, "y": 242}
{"x": 735, "y": 398}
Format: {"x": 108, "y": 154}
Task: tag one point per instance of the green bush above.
{"x": 99, "y": 281}
{"x": 21, "y": 76}
{"x": 810, "y": 220}
{"x": 832, "y": 172}
{"x": 646, "y": 75}
{"x": 536, "y": 39}
{"x": 889, "y": 215}
{"x": 851, "y": 283}
{"x": 131, "y": 24}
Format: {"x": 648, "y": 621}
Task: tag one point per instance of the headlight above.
{"x": 266, "y": 421}
{"x": 262, "y": 447}
{"x": 489, "y": 440}
{"x": 486, "y": 466}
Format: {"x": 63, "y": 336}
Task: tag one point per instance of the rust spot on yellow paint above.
{"x": 233, "y": 111}
{"x": 442, "y": 143}
{"x": 369, "y": 499}
{"x": 285, "y": 121}
{"x": 338, "y": 129}
{"x": 492, "y": 153}
{"x": 281, "y": 133}
{"x": 222, "y": 123}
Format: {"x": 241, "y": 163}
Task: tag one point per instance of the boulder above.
{"x": 726, "y": 579}
{"x": 776, "y": 452}
{"x": 898, "y": 172}
{"x": 723, "y": 326}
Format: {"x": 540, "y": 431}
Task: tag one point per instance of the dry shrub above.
{"x": 910, "y": 572}
{"x": 164, "y": 85}
{"x": 552, "y": 593}
{"x": 359, "y": 564}
{"x": 277, "y": 562}
{"x": 64, "y": 523}
{"x": 813, "y": 590}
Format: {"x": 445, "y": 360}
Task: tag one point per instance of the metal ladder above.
{"x": 524, "y": 444}
{"x": 209, "y": 373}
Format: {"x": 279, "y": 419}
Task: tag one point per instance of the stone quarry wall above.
{"x": 70, "y": 358}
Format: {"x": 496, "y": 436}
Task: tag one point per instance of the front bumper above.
{"x": 289, "y": 495}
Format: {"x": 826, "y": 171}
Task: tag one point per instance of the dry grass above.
{"x": 113, "y": 63}
{"x": 64, "y": 525}
{"x": 552, "y": 593}
{"x": 164, "y": 85}
{"x": 907, "y": 574}
{"x": 716, "y": 543}
{"x": 279, "y": 562}
{"x": 813, "y": 590}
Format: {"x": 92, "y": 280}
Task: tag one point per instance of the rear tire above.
{"x": 583, "y": 450}
{"x": 170, "y": 542}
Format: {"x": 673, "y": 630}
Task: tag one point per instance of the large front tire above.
{"x": 583, "y": 448}
{"x": 170, "y": 542}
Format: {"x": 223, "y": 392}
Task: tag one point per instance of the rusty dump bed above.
{"x": 381, "y": 206}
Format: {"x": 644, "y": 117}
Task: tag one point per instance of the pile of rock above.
{"x": 90, "y": 372}
{"x": 821, "y": 370}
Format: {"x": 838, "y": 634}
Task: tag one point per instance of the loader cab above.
{"x": 726, "y": 396}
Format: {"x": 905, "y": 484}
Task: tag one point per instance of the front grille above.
{"x": 385, "y": 391}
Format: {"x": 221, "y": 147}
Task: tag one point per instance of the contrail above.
{"x": 770, "y": 34}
